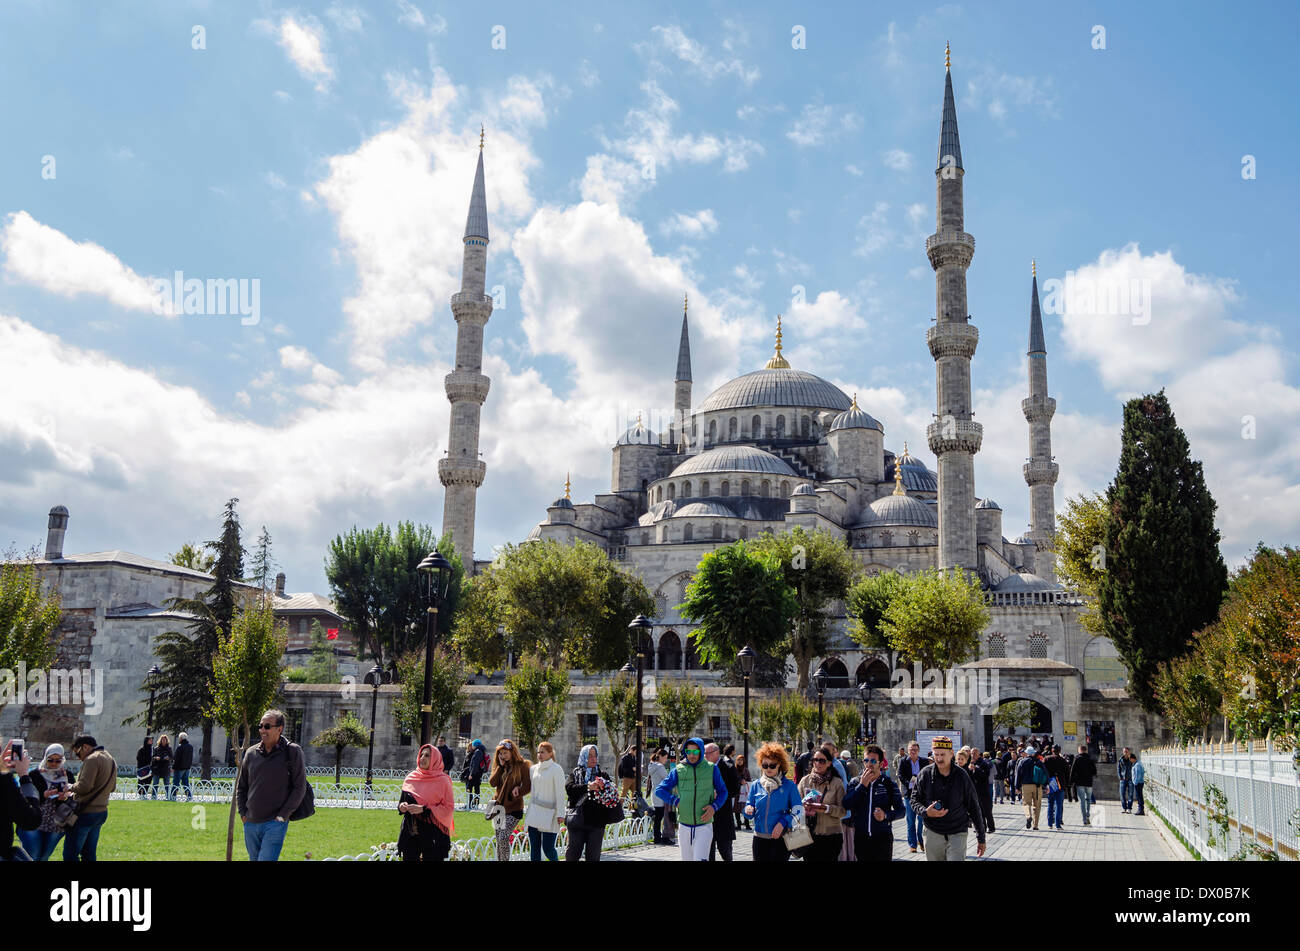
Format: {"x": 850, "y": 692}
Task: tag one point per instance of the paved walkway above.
{"x": 1112, "y": 837}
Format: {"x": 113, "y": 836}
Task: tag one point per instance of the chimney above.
{"x": 279, "y": 585}
{"x": 54, "y": 538}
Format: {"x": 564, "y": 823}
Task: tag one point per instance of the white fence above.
{"x": 1228, "y": 800}
{"x": 627, "y": 833}
{"x": 346, "y": 796}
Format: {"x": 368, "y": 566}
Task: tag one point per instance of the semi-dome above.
{"x": 1024, "y": 581}
{"x": 916, "y": 477}
{"x": 805, "y": 489}
{"x": 658, "y": 512}
{"x": 981, "y": 504}
{"x": 735, "y": 459}
{"x": 778, "y": 386}
{"x": 698, "y": 509}
{"x": 893, "y": 510}
{"x": 855, "y": 418}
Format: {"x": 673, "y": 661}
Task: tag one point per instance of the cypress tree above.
{"x": 1164, "y": 577}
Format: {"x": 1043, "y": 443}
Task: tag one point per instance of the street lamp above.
{"x": 864, "y": 688}
{"x": 747, "y": 656}
{"x": 437, "y": 572}
{"x": 153, "y": 675}
{"x": 375, "y": 676}
{"x": 820, "y": 679}
{"x": 639, "y": 627}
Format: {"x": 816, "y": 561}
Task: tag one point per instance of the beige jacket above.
{"x": 827, "y": 822}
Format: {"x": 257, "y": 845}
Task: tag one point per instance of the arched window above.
{"x": 886, "y": 538}
{"x": 726, "y": 488}
{"x": 780, "y": 426}
{"x": 837, "y": 675}
{"x": 744, "y": 487}
{"x": 692, "y": 658}
{"x": 1038, "y": 645}
{"x": 765, "y": 489}
{"x": 688, "y": 533}
{"x": 804, "y": 426}
{"x": 785, "y": 489}
{"x": 997, "y": 645}
{"x": 672, "y": 491}
{"x": 756, "y": 427}
{"x": 874, "y": 672}
{"x": 717, "y": 531}
{"x": 704, "y": 487}
{"x": 713, "y": 431}
{"x": 914, "y": 538}
{"x": 686, "y": 489}
{"x": 732, "y": 429}
{"x": 670, "y": 651}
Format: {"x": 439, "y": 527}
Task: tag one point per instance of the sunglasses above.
{"x": 771, "y": 766}
{"x": 267, "y": 726}
{"x": 820, "y": 759}
{"x": 506, "y": 746}
{"x": 873, "y": 762}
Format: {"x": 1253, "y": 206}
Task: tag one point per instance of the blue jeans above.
{"x": 264, "y": 840}
{"x": 1126, "y": 794}
{"x": 1085, "y": 802}
{"x": 154, "y": 780}
{"x": 82, "y": 839}
{"x": 39, "y": 845}
{"x": 540, "y": 842}
{"x": 180, "y": 778}
{"x": 915, "y": 823}
{"x": 1055, "y": 807}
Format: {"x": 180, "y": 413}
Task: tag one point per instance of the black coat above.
{"x": 143, "y": 755}
{"x": 448, "y": 758}
{"x": 160, "y": 763}
{"x": 591, "y": 814}
{"x": 1084, "y": 770}
{"x": 957, "y": 793}
{"x": 184, "y": 758}
{"x": 724, "y": 820}
{"x": 18, "y": 809}
{"x": 420, "y": 834}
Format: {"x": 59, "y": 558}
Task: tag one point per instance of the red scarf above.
{"x": 432, "y": 789}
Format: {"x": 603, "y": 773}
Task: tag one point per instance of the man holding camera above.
{"x": 946, "y": 798}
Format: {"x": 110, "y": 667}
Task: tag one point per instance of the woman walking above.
{"x": 543, "y": 820}
{"x": 50, "y": 779}
{"x": 512, "y": 779}
{"x": 773, "y": 804}
{"x": 822, "y": 793}
{"x": 427, "y": 804}
{"x": 591, "y": 796}
{"x": 476, "y": 759}
{"x": 655, "y": 775}
{"x": 160, "y": 766}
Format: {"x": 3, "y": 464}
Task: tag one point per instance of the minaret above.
{"x": 462, "y": 471}
{"x": 953, "y": 437}
{"x": 1040, "y": 471}
{"x": 682, "y": 381}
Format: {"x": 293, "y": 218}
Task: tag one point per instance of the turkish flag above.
{"x": 332, "y": 634}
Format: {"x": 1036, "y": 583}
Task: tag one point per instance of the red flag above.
{"x": 332, "y": 634}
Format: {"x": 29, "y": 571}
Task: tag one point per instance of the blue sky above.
{"x": 327, "y": 151}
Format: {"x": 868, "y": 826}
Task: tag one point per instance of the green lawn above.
{"x": 152, "y": 831}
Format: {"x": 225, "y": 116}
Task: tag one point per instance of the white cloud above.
{"x": 587, "y": 74}
{"x": 702, "y": 223}
{"x": 853, "y": 170}
{"x": 410, "y": 15}
{"x": 997, "y": 92}
{"x": 304, "y": 42}
{"x": 897, "y": 159}
{"x": 274, "y": 180}
{"x": 47, "y": 258}
{"x": 819, "y": 124}
{"x": 877, "y": 233}
{"x": 348, "y": 19}
{"x": 673, "y": 40}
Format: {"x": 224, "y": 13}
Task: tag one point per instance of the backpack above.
{"x": 307, "y": 807}
{"x": 1040, "y": 775}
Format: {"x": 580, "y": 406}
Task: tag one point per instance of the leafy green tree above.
{"x": 616, "y": 705}
{"x": 346, "y": 731}
{"x": 798, "y": 716}
{"x": 770, "y": 670}
{"x": 1013, "y": 715}
{"x": 1080, "y": 550}
{"x": 447, "y": 694}
{"x": 843, "y": 724}
{"x": 29, "y": 618}
{"x": 818, "y": 568}
{"x": 374, "y": 579}
{"x": 765, "y": 718}
{"x": 937, "y": 618}
{"x": 566, "y": 605}
{"x": 246, "y": 679}
{"x": 1164, "y": 577}
{"x": 867, "y": 602}
{"x": 323, "y": 668}
{"x": 193, "y": 556}
{"x": 537, "y": 696}
{"x": 1189, "y": 690}
{"x": 738, "y": 596}
{"x": 681, "y": 707}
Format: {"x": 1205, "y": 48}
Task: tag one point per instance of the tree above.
{"x": 681, "y": 706}
{"x": 447, "y": 695}
{"x": 375, "y": 580}
{"x": 246, "y": 679}
{"x": 323, "y": 668}
{"x": 867, "y": 602}
{"x": 818, "y": 568}
{"x": 1189, "y": 690}
{"x": 537, "y": 696}
{"x": 766, "y": 718}
{"x": 565, "y": 605}
{"x": 1080, "y": 552}
{"x": 1013, "y": 715}
{"x": 770, "y": 670}
{"x": 346, "y": 731}
{"x": 616, "y": 705}
{"x": 738, "y": 596}
{"x": 1164, "y": 577}
{"x": 844, "y": 724}
{"x": 29, "y": 619}
{"x": 193, "y": 556}
{"x": 263, "y": 565}
{"x": 937, "y": 617}
{"x": 798, "y": 716}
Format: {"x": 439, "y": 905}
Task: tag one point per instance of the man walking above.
{"x": 946, "y": 797}
{"x": 724, "y": 820}
{"x": 979, "y": 773}
{"x": 181, "y": 766}
{"x": 1124, "y": 768}
{"x": 143, "y": 757}
{"x": 696, "y": 788}
{"x": 909, "y": 771}
{"x": 448, "y": 755}
{"x": 1139, "y": 777}
{"x": 627, "y": 772}
{"x": 1082, "y": 773}
{"x": 1031, "y": 777}
{"x": 95, "y": 782}
{"x": 271, "y": 786}
{"x": 874, "y": 801}
{"x": 1058, "y": 776}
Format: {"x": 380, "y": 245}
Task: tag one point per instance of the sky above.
{"x": 763, "y": 158}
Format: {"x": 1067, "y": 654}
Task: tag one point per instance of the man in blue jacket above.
{"x": 875, "y": 803}
{"x": 696, "y": 788}
{"x": 1138, "y": 773}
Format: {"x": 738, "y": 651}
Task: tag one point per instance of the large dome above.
{"x": 735, "y": 459}
{"x": 776, "y": 387}
{"x": 893, "y": 510}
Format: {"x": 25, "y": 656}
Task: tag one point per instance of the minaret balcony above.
{"x": 466, "y": 386}
{"x": 1038, "y": 408}
{"x": 1039, "y": 473}
{"x": 461, "y": 471}
{"x": 954, "y": 435}
{"x": 473, "y": 306}
{"x": 950, "y": 247}
{"x": 952, "y": 340}
{"x": 466, "y": 297}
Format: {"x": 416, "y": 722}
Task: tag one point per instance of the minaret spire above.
{"x": 682, "y": 380}
{"x": 461, "y": 472}
{"x": 1040, "y": 471}
{"x": 954, "y": 437}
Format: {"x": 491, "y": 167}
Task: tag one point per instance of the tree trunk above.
{"x": 338, "y": 764}
{"x": 205, "y": 758}
{"x": 234, "y": 800}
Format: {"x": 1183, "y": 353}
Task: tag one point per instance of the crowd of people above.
{"x": 821, "y": 807}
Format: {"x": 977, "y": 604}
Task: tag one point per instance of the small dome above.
{"x": 1024, "y": 581}
{"x": 561, "y": 503}
{"x": 916, "y": 477}
{"x": 658, "y": 512}
{"x": 735, "y": 459}
{"x": 59, "y": 510}
{"x": 697, "y": 509}
{"x": 981, "y": 504}
{"x": 855, "y": 418}
{"x": 895, "y": 510}
{"x": 638, "y": 435}
{"x": 1023, "y": 540}
{"x": 805, "y": 489}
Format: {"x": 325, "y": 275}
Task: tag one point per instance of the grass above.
{"x": 1178, "y": 835}
{"x": 148, "y": 831}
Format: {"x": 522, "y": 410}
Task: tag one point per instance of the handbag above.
{"x": 65, "y": 814}
{"x": 798, "y": 836}
{"x": 1054, "y": 785}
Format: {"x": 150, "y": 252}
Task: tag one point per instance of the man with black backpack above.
{"x": 1031, "y": 777}
{"x": 272, "y": 785}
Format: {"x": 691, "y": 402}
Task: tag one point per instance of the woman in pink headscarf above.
{"x": 427, "y": 804}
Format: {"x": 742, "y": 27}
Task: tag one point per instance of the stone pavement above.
{"x": 1112, "y": 837}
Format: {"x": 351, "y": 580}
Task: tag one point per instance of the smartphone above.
{"x": 16, "y": 749}
{"x": 937, "y": 804}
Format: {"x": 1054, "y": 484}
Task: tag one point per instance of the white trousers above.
{"x": 695, "y": 842}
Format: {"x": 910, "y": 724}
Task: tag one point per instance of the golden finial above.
{"x": 566, "y": 486}
{"x": 778, "y": 362}
{"x": 898, "y": 472}
{"x": 1033, "y": 266}
{"x": 686, "y": 299}
{"x": 481, "y": 133}
{"x": 855, "y": 401}
{"x": 947, "y": 56}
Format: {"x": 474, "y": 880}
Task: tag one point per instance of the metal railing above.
{"x": 326, "y": 795}
{"x": 1234, "y": 800}
{"x": 629, "y": 832}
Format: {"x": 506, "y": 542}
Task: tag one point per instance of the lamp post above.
{"x": 747, "y": 656}
{"x": 153, "y": 675}
{"x": 639, "y": 627}
{"x": 864, "y": 688}
{"x": 820, "y": 679}
{"x": 437, "y": 572}
{"x": 375, "y": 676}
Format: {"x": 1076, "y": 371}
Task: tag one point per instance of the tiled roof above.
{"x": 119, "y": 557}
{"x": 304, "y": 601}
{"x": 776, "y": 387}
